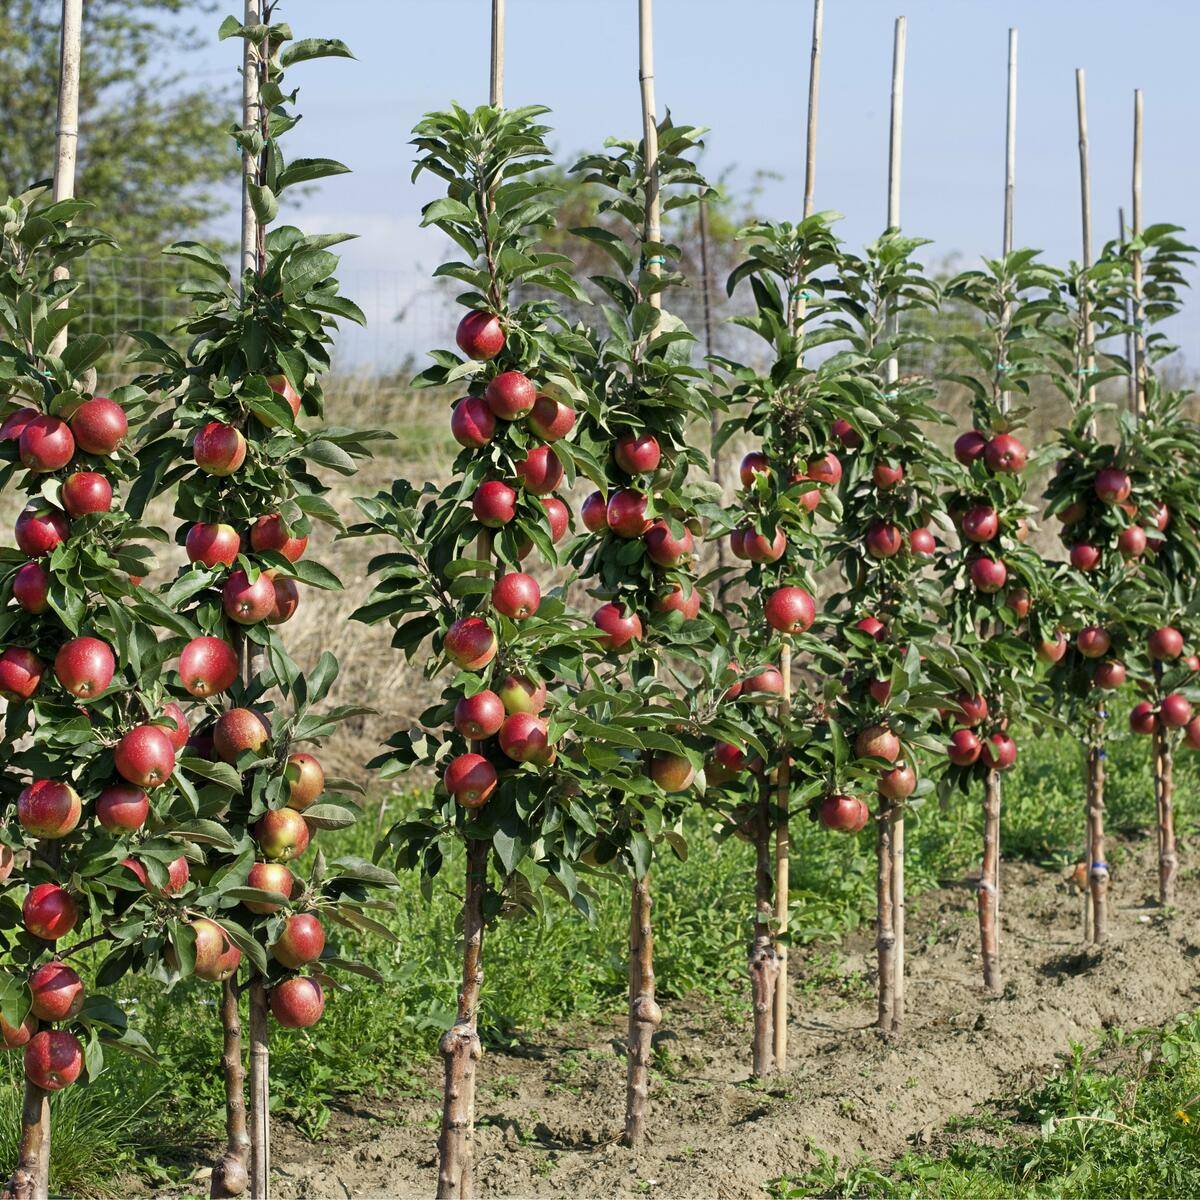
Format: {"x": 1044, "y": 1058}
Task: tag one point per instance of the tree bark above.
{"x": 644, "y": 1014}
{"x": 764, "y": 962}
{"x": 989, "y": 884}
{"x": 231, "y": 1173}
{"x": 30, "y": 1177}
{"x": 1168, "y": 860}
{"x": 1097, "y": 866}
{"x": 885, "y": 930}
{"x": 460, "y": 1046}
{"x": 899, "y": 908}
{"x": 260, "y": 1091}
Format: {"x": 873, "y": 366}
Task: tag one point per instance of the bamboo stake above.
{"x": 1132, "y": 376}
{"x": 764, "y": 959}
{"x": 252, "y": 15}
{"x": 885, "y": 929}
{"x": 496, "y": 83}
{"x": 814, "y": 96}
{"x": 892, "y": 374}
{"x": 1139, "y": 315}
{"x": 67, "y": 133}
{"x": 653, "y": 231}
{"x": 1010, "y": 143}
{"x": 715, "y": 418}
{"x": 260, "y": 1091}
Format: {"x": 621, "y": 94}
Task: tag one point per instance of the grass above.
{"x": 1122, "y": 1120}
{"x": 159, "y": 1118}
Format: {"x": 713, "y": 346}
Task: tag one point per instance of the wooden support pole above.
{"x": 653, "y": 226}
{"x": 715, "y": 417}
{"x": 764, "y": 959}
{"x": 1139, "y": 314}
{"x": 1132, "y": 376}
{"x": 814, "y": 98}
{"x": 496, "y": 81}
{"x": 260, "y": 1091}
{"x": 67, "y": 134}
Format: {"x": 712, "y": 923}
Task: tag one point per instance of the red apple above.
{"x": 40, "y": 528}
{"x": 550, "y": 419}
{"x": 594, "y": 512}
{"x": 886, "y": 475}
{"x": 767, "y": 682}
{"x": 297, "y": 1003}
{"x": 245, "y": 602}
{"x": 479, "y": 716}
{"x": 1165, "y": 644}
{"x": 208, "y": 666}
{"x": 53, "y": 1059}
{"x": 510, "y": 395}
{"x": 524, "y": 738}
{"x": 755, "y": 463}
{"x": 48, "y": 809}
{"x": 558, "y": 517}
{"x": 877, "y": 741}
{"x": 48, "y": 912}
{"x": 621, "y": 629}
{"x": 46, "y": 444}
{"x": 1191, "y": 734}
{"x": 899, "y": 783}
{"x": 970, "y": 710}
{"x": 844, "y": 814}
{"x": 86, "y": 492}
{"x": 964, "y": 748}
{"x": 1142, "y": 718}
{"x": 845, "y": 433}
{"x": 999, "y": 752}
{"x": 672, "y": 772}
{"x": 472, "y": 423}
{"x": 282, "y": 834}
{"x": 238, "y": 731}
{"x": 145, "y": 756}
{"x": 969, "y": 447}
{"x": 31, "y": 587}
{"x": 1112, "y": 485}
{"x": 494, "y": 504}
{"x": 285, "y": 596}
{"x": 809, "y": 499}
{"x": 980, "y": 523}
{"x": 20, "y": 673}
{"x": 212, "y": 545}
{"x": 217, "y": 958}
{"x": 84, "y": 666}
{"x": 14, "y": 1039}
{"x": 1075, "y": 511}
{"x": 1109, "y": 675}
{"x": 626, "y": 513}
{"x": 1004, "y": 454}
{"x": 1175, "y": 710}
{"x": 665, "y": 549}
{"x": 516, "y": 595}
{"x": 470, "y": 779}
{"x": 790, "y": 610}
{"x": 520, "y": 693}
{"x": 122, "y": 808}
{"x": 826, "y": 469}
{"x": 988, "y": 574}
{"x": 676, "y": 600}
{"x": 1020, "y": 601}
{"x": 178, "y": 875}
{"x": 56, "y": 991}
{"x": 737, "y": 544}
{"x": 880, "y": 690}
{"x": 540, "y": 471}
{"x": 99, "y": 425}
{"x": 281, "y": 386}
{"x": 873, "y": 628}
{"x": 470, "y": 643}
{"x": 269, "y": 877}
{"x": 758, "y": 548}
{"x": 305, "y": 778}
{"x": 271, "y": 532}
{"x": 177, "y": 727}
{"x": 1093, "y": 642}
{"x": 1131, "y": 541}
{"x": 479, "y": 336}
{"x": 921, "y": 541}
{"x": 15, "y": 422}
{"x": 1084, "y": 557}
{"x": 637, "y": 453}
{"x": 219, "y": 449}
{"x": 301, "y": 941}
{"x": 884, "y": 540}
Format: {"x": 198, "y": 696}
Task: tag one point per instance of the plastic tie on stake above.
{"x": 654, "y": 260}
{"x": 1099, "y": 870}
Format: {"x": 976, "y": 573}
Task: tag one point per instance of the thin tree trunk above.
{"x": 989, "y": 890}
{"x": 460, "y": 1046}
{"x": 1168, "y": 862}
{"x": 885, "y": 931}
{"x": 27, "y": 1181}
{"x": 783, "y": 850}
{"x": 644, "y": 1014}
{"x": 1097, "y": 868}
{"x": 260, "y": 1091}
{"x": 1088, "y": 853}
{"x": 764, "y": 961}
{"x": 899, "y": 906}
{"x": 231, "y": 1174}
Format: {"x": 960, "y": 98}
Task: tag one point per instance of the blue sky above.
{"x": 742, "y": 69}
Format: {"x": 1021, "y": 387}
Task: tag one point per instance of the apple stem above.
{"x": 460, "y": 1046}
{"x": 885, "y": 930}
{"x": 989, "y": 884}
{"x": 644, "y": 1014}
{"x": 260, "y": 1091}
{"x": 764, "y": 961}
{"x": 231, "y": 1172}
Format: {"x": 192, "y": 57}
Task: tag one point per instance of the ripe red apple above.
{"x": 594, "y": 512}
{"x": 970, "y": 710}
{"x": 14, "y": 1039}
{"x": 520, "y": 693}
{"x": 53, "y": 1059}
{"x": 7, "y": 862}
{"x": 217, "y": 958}
{"x": 48, "y": 809}
{"x": 86, "y": 492}
{"x": 305, "y": 778}
{"x": 886, "y": 475}
{"x": 208, "y": 666}
{"x": 470, "y": 779}
{"x": 809, "y": 499}
{"x": 1131, "y": 541}
{"x": 145, "y": 756}
{"x": 472, "y": 423}
{"x": 550, "y": 419}
{"x": 1085, "y": 557}
{"x": 880, "y": 690}
{"x": 269, "y": 877}
{"x": 46, "y": 444}
{"x": 281, "y": 386}
{"x": 844, "y": 814}
{"x": 282, "y": 834}
{"x": 49, "y": 912}
{"x": 980, "y": 523}
{"x": 969, "y": 447}
{"x": 1075, "y": 511}
{"x": 237, "y": 731}
{"x": 676, "y": 600}
{"x": 737, "y": 544}
{"x": 271, "y": 532}
{"x": 285, "y": 596}
{"x": 1112, "y": 485}
{"x": 754, "y": 463}
{"x": 921, "y": 541}
{"x": 845, "y": 433}
{"x": 1143, "y": 718}
{"x": 757, "y": 547}
{"x": 219, "y": 449}
{"x": 56, "y": 992}
{"x": 510, "y": 395}
{"x": 1093, "y": 642}
{"x": 122, "y": 808}
{"x": 40, "y": 528}
{"x": 99, "y": 425}
{"x": 826, "y": 469}
{"x": 873, "y": 628}
{"x": 540, "y": 471}
{"x": 1004, "y": 454}
{"x": 877, "y": 741}
{"x": 470, "y": 643}
{"x": 988, "y": 574}
{"x": 558, "y": 517}
{"x": 884, "y": 540}
{"x": 301, "y": 941}
{"x": 20, "y": 673}
{"x": 964, "y": 748}
{"x": 479, "y": 336}
{"x": 899, "y": 783}
{"x": 15, "y": 423}
{"x": 516, "y": 595}
{"x": 999, "y": 752}
{"x": 1191, "y": 662}
{"x": 1020, "y": 601}
{"x": 524, "y": 738}
{"x": 767, "y": 682}
{"x": 731, "y": 758}
{"x": 298, "y": 1002}
{"x": 665, "y": 549}
{"x": 245, "y": 602}
{"x": 1165, "y": 644}
{"x": 626, "y": 513}
{"x": 178, "y": 874}
{"x": 621, "y": 629}
{"x": 637, "y": 453}
{"x": 672, "y": 772}
{"x": 84, "y": 666}
{"x": 1109, "y": 675}
{"x": 1175, "y": 710}
{"x": 212, "y": 544}
{"x": 479, "y": 716}
{"x": 31, "y": 587}
{"x": 494, "y": 504}
{"x": 790, "y": 610}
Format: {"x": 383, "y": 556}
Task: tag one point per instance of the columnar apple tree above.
{"x": 995, "y": 575}
{"x": 230, "y": 444}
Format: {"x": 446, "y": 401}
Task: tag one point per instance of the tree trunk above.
{"x": 231, "y": 1173}
{"x": 764, "y": 962}
{"x": 30, "y": 1177}
{"x": 783, "y": 857}
{"x": 644, "y": 1014}
{"x": 1097, "y": 867}
{"x": 1168, "y": 861}
{"x": 885, "y": 930}
{"x": 260, "y": 1091}
{"x": 899, "y": 907}
{"x": 460, "y": 1046}
{"x": 989, "y": 884}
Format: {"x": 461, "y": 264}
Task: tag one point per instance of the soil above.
{"x": 549, "y": 1111}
